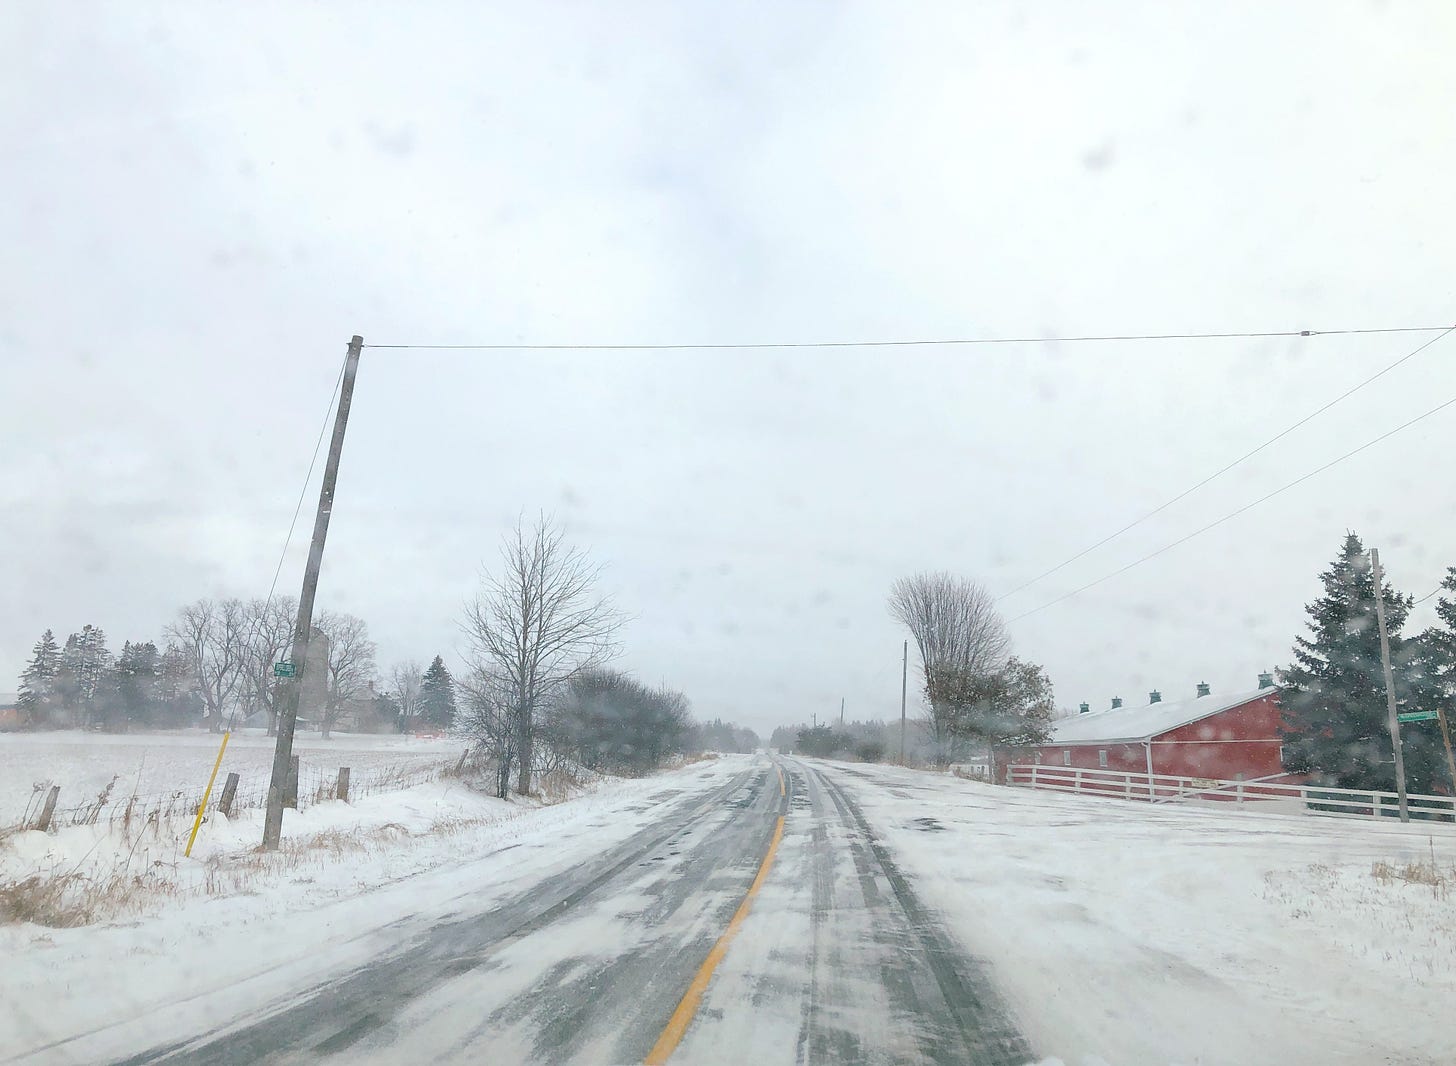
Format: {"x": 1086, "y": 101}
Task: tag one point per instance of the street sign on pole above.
{"x": 1417, "y": 716}
{"x": 284, "y": 669}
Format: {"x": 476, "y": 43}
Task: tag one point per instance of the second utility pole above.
{"x": 904, "y": 677}
{"x": 1389, "y": 684}
{"x": 303, "y": 626}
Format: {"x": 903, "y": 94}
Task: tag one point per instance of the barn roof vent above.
{"x": 1266, "y": 680}
{"x": 1116, "y": 702}
{"x": 1203, "y": 689}
{"x": 1155, "y": 696}
{"x": 1083, "y": 708}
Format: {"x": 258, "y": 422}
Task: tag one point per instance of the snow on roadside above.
{"x": 289, "y": 922}
{"x": 1171, "y": 934}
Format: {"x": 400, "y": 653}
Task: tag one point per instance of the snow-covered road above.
{"x": 898, "y": 916}
{"x": 837, "y": 960}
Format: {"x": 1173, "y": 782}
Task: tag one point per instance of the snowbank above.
{"x": 1137, "y": 934}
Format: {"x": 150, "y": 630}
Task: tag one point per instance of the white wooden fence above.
{"x": 1270, "y": 793}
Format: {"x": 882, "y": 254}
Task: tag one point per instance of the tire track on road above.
{"x": 980, "y": 1029}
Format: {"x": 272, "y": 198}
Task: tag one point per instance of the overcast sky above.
{"x": 201, "y": 203}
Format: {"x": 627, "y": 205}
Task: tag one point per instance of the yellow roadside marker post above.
{"x": 206, "y": 795}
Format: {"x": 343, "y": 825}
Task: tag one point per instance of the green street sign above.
{"x": 284, "y": 669}
{"x": 1417, "y": 716}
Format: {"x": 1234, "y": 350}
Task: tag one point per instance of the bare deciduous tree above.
{"x": 488, "y": 714}
{"x": 961, "y": 637}
{"x": 350, "y": 664}
{"x": 406, "y": 685}
{"x": 212, "y": 634}
{"x": 534, "y": 624}
{"x": 270, "y": 634}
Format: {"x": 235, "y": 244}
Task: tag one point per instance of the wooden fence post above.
{"x": 43, "y": 823}
{"x": 229, "y": 790}
{"x": 290, "y": 786}
{"x": 341, "y": 791}
{"x": 460, "y": 766}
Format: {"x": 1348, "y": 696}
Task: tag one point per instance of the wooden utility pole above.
{"x": 1389, "y": 683}
{"x": 1446, "y": 736}
{"x": 303, "y": 627}
{"x": 841, "y": 711}
{"x": 904, "y": 681}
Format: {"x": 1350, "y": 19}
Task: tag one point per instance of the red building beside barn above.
{"x": 1226, "y": 738}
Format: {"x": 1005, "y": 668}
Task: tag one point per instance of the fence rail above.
{"x": 1269, "y": 792}
{"x": 316, "y": 784}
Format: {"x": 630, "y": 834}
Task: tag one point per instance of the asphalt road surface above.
{"x": 758, "y": 923}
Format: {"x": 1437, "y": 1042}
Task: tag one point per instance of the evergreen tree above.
{"x": 138, "y": 680}
{"x": 1336, "y": 724}
{"x": 437, "y": 696}
{"x": 1437, "y": 660}
{"x": 1012, "y": 706}
{"x": 38, "y": 698}
{"x": 82, "y": 674}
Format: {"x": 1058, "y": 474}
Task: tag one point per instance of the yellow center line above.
{"x": 781, "y": 778}
{"x": 687, "y": 1008}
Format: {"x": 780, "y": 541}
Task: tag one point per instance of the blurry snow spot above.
{"x": 399, "y": 142}
{"x": 1101, "y": 157}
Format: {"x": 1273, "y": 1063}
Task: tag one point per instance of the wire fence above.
{"x": 316, "y": 784}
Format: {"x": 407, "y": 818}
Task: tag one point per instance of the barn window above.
{"x": 1038, "y": 757}
{"x": 1066, "y": 756}
{"x": 1102, "y": 758}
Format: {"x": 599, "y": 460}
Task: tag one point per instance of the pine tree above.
{"x": 1336, "y": 724}
{"x": 37, "y": 698}
{"x": 83, "y": 672}
{"x": 1437, "y": 661}
{"x": 437, "y": 696}
{"x": 138, "y": 679}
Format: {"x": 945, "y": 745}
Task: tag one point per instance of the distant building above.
{"x": 9, "y": 710}
{"x": 369, "y": 713}
{"x": 1226, "y": 738}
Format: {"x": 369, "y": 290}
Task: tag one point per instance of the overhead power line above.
{"x": 1225, "y": 469}
{"x": 1234, "y": 514}
{"x": 914, "y": 343}
{"x": 1428, "y": 595}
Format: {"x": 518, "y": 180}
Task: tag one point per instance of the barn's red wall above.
{"x": 1242, "y": 740}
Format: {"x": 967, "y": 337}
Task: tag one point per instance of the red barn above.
{"x": 1227, "y": 738}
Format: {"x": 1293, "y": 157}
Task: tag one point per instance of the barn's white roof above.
{"x": 1142, "y": 722}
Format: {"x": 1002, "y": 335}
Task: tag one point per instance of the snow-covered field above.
{"x": 1124, "y": 933}
{"x": 154, "y": 764}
